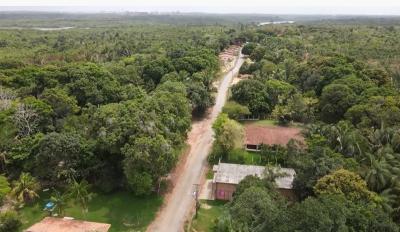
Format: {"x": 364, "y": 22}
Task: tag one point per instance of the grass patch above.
{"x": 240, "y": 156}
{"x": 252, "y": 158}
{"x": 122, "y": 210}
{"x": 266, "y": 122}
{"x": 210, "y": 174}
{"x": 271, "y": 122}
{"x": 207, "y": 215}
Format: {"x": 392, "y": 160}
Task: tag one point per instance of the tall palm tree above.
{"x": 389, "y": 200}
{"x": 79, "y": 192}
{"x": 381, "y": 163}
{"x": 345, "y": 139}
{"x": 377, "y": 172}
{"x": 60, "y": 201}
{"x": 25, "y": 188}
{"x": 384, "y": 136}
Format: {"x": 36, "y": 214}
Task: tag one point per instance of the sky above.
{"x": 331, "y": 7}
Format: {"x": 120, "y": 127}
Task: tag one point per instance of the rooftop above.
{"x": 234, "y": 173}
{"x": 52, "y": 224}
{"x": 271, "y": 135}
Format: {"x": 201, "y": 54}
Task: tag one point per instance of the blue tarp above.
{"x": 49, "y": 205}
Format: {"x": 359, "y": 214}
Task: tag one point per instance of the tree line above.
{"x": 341, "y": 82}
{"x": 105, "y": 107}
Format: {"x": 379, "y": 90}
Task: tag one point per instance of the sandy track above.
{"x": 180, "y": 202}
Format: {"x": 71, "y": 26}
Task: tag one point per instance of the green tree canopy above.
{"x": 346, "y": 183}
{"x": 61, "y": 103}
{"x": 234, "y": 110}
{"x": 336, "y": 99}
{"x": 62, "y": 155}
{"x": 254, "y": 95}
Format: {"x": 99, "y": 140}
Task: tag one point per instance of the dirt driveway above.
{"x": 180, "y": 202}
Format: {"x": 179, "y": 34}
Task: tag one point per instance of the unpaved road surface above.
{"x": 180, "y": 202}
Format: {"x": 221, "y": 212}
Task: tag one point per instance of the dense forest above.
{"x": 340, "y": 80}
{"x": 106, "y": 103}
{"x": 107, "y": 107}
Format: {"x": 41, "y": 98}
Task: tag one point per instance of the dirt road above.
{"x": 180, "y": 201}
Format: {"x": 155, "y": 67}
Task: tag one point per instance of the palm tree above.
{"x": 79, "y": 192}
{"x": 345, "y": 139}
{"x": 25, "y": 188}
{"x": 388, "y": 200}
{"x": 381, "y": 162}
{"x": 60, "y": 201}
{"x": 377, "y": 172}
{"x": 384, "y": 136}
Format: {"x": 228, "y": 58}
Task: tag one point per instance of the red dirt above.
{"x": 52, "y": 224}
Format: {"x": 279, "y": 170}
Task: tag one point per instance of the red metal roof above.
{"x": 271, "y": 135}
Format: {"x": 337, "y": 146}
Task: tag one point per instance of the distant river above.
{"x": 276, "y": 22}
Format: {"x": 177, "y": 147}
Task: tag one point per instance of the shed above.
{"x": 227, "y": 177}
{"x": 53, "y": 224}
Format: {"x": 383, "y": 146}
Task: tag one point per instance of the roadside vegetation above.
{"x": 207, "y": 215}
{"x": 340, "y": 80}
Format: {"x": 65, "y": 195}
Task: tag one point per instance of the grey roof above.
{"x": 234, "y": 173}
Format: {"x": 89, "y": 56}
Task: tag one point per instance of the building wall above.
{"x": 224, "y": 191}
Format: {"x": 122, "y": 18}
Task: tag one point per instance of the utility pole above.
{"x": 196, "y": 197}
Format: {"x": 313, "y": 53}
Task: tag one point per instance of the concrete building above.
{"x": 227, "y": 177}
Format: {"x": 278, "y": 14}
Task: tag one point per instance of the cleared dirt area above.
{"x": 228, "y": 57}
{"x": 240, "y": 78}
{"x": 271, "y": 135}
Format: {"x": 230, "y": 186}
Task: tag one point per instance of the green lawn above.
{"x": 269, "y": 122}
{"x": 266, "y": 122}
{"x": 208, "y": 213}
{"x": 210, "y": 174}
{"x": 241, "y": 156}
{"x": 122, "y": 210}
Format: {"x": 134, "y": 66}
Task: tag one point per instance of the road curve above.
{"x": 180, "y": 201}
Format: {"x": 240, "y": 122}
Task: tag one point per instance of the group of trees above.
{"x": 110, "y": 107}
{"x": 342, "y": 203}
{"x": 26, "y": 189}
{"x": 347, "y": 174}
{"x": 228, "y": 135}
{"x": 103, "y": 107}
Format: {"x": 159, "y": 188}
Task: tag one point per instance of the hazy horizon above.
{"x": 301, "y": 7}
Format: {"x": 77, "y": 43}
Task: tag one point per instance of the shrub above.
{"x": 9, "y": 221}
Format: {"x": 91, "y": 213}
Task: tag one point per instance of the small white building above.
{"x": 227, "y": 177}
